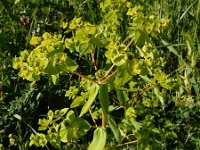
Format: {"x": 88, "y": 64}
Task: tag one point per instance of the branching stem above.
{"x": 85, "y": 77}
{"x": 108, "y": 77}
{"x": 109, "y": 71}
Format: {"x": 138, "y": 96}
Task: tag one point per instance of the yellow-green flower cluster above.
{"x": 47, "y": 58}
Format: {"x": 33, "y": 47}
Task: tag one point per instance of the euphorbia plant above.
{"x": 114, "y": 63}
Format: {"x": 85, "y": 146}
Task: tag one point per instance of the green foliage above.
{"x": 60, "y": 126}
{"x": 47, "y": 58}
{"x": 130, "y": 67}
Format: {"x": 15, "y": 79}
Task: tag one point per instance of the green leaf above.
{"x": 17, "y": 1}
{"x": 71, "y": 65}
{"x": 50, "y": 69}
{"x": 73, "y": 127}
{"x": 130, "y": 113}
{"x": 91, "y": 30}
{"x": 38, "y": 140}
{"x": 83, "y": 48}
{"x": 92, "y": 95}
{"x": 64, "y": 24}
{"x": 46, "y": 35}
{"x": 75, "y": 23}
{"x": 159, "y": 96}
{"x": 17, "y": 116}
{"x": 33, "y": 77}
{"x": 34, "y": 40}
{"x": 50, "y": 114}
{"x": 100, "y": 42}
{"x": 17, "y": 62}
{"x": 122, "y": 96}
{"x": 63, "y": 111}
{"x": 174, "y": 51}
{"x": 120, "y": 59}
{"x": 110, "y": 16}
{"x": 162, "y": 79}
{"x": 137, "y": 66}
{"x": 136, "y": 124}
{"x": 104, "y": 99}
{"x": 57, "y": 48}
{"x": 141, "y": 37}
{"x": 47, "y": 42}
{"x": 112, "y": 54}
{"x": 196, "y": 88}
{"x": 54, "y": 79}
{"x": 114, "y": 128}
{"x": 99, "y": 140}
{"x": 59, "y": 113}
{"x": 44, "y": 123}
{"x": 80, "y": 35}
{"x": 122, "y": 76}
{"x": 79, "y": 100}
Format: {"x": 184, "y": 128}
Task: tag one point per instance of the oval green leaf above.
{"x": 104, "y": 99}
{"x": 114, "y": 128}
{"x": 99, "y": 140}
{"x": 92, "y": 95}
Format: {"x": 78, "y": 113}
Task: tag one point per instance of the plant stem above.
{"x": 125, "y": 40}
{"x": 93, "y": 118}
{"x": 95, "y": 66}
{"x": 129, "y": 44}
{"x": 108, "y": 77}
{"x": 83, "y": 76}
{"x": 142, "y": 92}
{"x": 128, "y": 143}
{"x": 109, "y": 71}
{"x": 103, "y": 123}
{"x": 93, "y": 61}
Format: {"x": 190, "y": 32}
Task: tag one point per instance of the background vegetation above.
{"x": 172, "y": 125}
